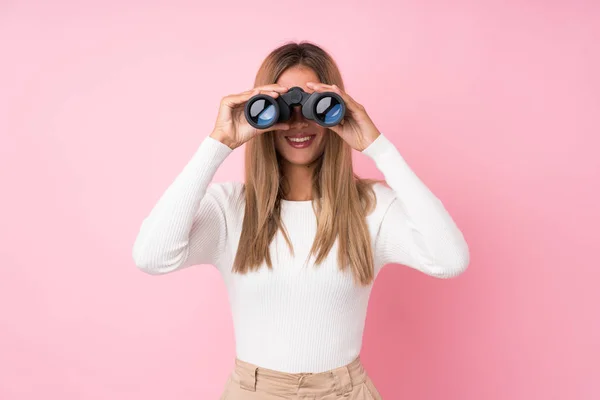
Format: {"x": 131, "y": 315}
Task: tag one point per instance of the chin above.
{"x": 300, "y": 160}
{"x": 299, "y": 157}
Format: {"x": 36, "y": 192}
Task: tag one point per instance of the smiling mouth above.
{"x": 299, "y": 137}
{"x": 300, "y": 140}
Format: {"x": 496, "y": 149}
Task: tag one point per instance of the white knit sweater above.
{"x": 296, "y": 318}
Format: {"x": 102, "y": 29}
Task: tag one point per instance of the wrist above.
{"x": 217, "y": 135}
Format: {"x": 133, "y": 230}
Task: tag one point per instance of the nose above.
{"x": 297, "y": 120}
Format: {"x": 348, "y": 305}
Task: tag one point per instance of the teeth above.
{"x": 299, "y": 140}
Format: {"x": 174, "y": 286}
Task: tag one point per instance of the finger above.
{"x": 235, "y": 99}
{"x": 352, "y": 100}
{"x": 282, "y": 126}
{"x": 321, "y": 87}
{"x": 271, "y": 93}
{"x": 274, "y": 87}
{"x": 337, "y": 129}
{"x": 239, "y": 99}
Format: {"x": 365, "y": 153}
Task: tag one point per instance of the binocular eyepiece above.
{"x": 325, "y": 108}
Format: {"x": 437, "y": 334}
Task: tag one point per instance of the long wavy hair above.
{"x": 341, "y": 199}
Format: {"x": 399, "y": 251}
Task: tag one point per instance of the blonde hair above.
{"x": 341, "y": 199}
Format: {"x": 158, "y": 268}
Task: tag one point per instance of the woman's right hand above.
{"x": 231, "y": 127}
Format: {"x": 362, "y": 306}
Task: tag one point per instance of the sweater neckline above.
{"x": 296, "y": 204}
{"x": 296, "y": 201}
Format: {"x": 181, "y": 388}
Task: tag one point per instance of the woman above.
{"x": 300, "y": 243}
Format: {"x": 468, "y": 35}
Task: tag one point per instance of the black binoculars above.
{"x": 325, "y": 108}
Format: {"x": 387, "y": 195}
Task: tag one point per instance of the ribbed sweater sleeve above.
{"x": 187, "y": 225}
{"x": 416, "y": 230}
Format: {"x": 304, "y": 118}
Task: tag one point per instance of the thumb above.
{"x": 337, "y": 129}
{"x": 282, "y": 126}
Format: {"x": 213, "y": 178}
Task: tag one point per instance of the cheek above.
{"x": 279, "y": 139}
{"x": 323, "y": 139}
{"x": 281, "y": 144}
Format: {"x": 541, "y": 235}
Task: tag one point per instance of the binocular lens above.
{"x": 329, "y": 110}
{"x": 263, "y": 113}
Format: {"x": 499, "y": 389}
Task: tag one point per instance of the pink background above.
{"x": 494, "y": 104}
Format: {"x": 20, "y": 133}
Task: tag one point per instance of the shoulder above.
{"x": 384, "y": 196}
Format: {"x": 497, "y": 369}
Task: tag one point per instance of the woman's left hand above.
{"x": 356, "y": 128}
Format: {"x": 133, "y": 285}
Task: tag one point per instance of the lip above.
{"x": 300, "y": 135}
{"x": 301, "y": 145}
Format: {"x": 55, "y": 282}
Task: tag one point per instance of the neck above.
{"x": 298, "y": 180}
